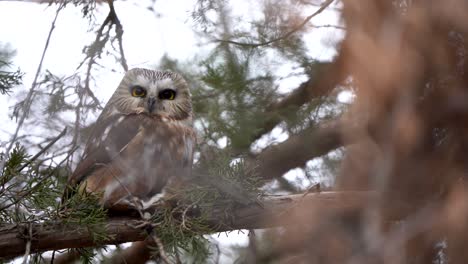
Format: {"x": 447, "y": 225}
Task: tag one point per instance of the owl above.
{"x": 142, "y": 142}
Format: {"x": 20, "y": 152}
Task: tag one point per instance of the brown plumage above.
{"x": 143, "y": 140}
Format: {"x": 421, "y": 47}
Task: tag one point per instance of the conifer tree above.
{"x": 378, "y": 177}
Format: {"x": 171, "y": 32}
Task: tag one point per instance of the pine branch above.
{"x": 42, "y": 151}
{"x": 58, "y": 235}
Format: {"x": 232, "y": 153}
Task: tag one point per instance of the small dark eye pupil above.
{"x": 167, "y": 94}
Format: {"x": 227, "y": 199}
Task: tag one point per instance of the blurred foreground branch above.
{"x": 310, "y": 143}
{"x": 327, "y": 77}
{"x": 58, "y": 235}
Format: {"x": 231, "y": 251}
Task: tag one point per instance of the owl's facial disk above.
{"x": 156, "y": 97}
{"x": 152, "y": 99}
{"x": 153, "y": 92}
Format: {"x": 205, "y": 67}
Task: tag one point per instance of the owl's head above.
{"x": 153, "y": 92}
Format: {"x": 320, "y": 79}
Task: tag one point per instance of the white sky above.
{"x": 146, "y": 39}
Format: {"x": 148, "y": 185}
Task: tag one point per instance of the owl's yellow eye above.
{"x": 167, "y": 94}
{"x": 138, "y": 91}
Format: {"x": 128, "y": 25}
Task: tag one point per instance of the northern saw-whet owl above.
{"x": 142, "y": 141}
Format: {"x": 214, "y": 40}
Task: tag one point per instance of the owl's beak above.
{"x": 151, "y": 104}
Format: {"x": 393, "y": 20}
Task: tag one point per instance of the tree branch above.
{"x": 289, "y": 33}
{"x": 29, "y": 98}
{"x": 57, "y": 235}
{"x": 119, "y": 34}
{"x": 320, "y": 84}
{"x": 310, "y": 143}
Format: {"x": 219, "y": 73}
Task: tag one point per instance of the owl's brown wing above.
{"x": 109, "y": 136}
{"x": 155, "y": 161}
{"x": 134, "y": 156}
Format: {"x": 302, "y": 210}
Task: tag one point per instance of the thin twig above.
{"x": 119, "y": 33}
{"x": 29, "y": 97}
{"x": 312, "y": 189}
{"x": 329, "y": 26}
{"x": 44, "y": 149}
{"x": 184, "y": 214}
{"x": 130, "y": 195}
{"x": 32, "y": 189}
{"x": 34, "y": 158}
{"x": 94, "y": 51}
{"x": 76, "y": 129}
{"x": 96, "y": 48}
{"x": 53, "y": 257}
{"x": 28, "y": 244}
{"x": 218, "y": 253}
{"x": 162, "y": 252}
{"x": 294, "y": 30}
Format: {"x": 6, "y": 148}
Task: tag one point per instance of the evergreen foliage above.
{"x": 232, "y": 88}
{"x": 261, "y": 94}
{"x": 182, "y": 225}
{"x": 8, "y": 78}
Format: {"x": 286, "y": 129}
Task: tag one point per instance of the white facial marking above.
{"x": 164, "y": 83}
{"x": 142, "y": 81}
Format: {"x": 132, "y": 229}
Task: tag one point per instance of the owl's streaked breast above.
{"x": 161, "y": 150}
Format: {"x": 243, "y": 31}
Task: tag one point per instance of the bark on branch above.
{"x": 57, "y": 235}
